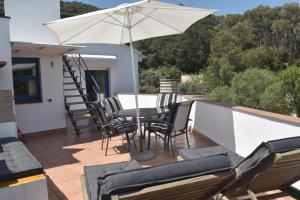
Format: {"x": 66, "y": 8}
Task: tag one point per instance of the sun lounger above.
{"x": 183, "y": 180}
{"x": 274, "y": 165}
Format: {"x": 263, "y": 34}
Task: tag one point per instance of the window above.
{"x": 26, "y": 78}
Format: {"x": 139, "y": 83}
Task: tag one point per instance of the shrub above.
{"x": 221, "y": 94}
{"x": 273, "y": 99}
{"x": 247, "y": 86}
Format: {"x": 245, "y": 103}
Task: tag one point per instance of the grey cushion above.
{"x": 284, "y": 145}
{"x": 210, "y": 151}
{"x": 134, "y": 180}
{"x": 16, "y": 161}
{"x": 92, "y": 173}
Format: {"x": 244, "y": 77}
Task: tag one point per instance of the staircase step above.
{"x": 71, "y": 76}
{"x": 75, "y": 103}
{"x": 79, "y": 110}
{"x": 79, "y": 95}
{"x": 73, "y": 89}
{"x": 70, "y": 83}
{"x": 83, "y": 117}
{"x": 66, "y": 70}
{"x": 88, "y": 126}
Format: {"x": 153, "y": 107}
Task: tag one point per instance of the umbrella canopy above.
{"x": 147, "y": 19}
{"x": 127, "y": 23}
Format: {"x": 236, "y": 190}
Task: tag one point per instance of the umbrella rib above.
{"x": 144, "y": 18}
{"x": 87, "y": 28}
{"x": 158, "y": 21}
{"x": 123, "y": 29}
{"x": 121, "y": 23}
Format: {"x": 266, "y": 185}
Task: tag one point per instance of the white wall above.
{"x": 121, "y": 79}
{"x": 34, "y": 190}
{"x": 27, "y": 18}
{"x": 6, "y": 82}
{"x": 35, "y": 117}
{"x": 239, "y": 131}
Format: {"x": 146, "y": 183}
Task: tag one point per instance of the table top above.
{"x": 144, "y": 112}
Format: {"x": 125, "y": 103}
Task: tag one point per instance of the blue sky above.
{"x": 224, "y": 6}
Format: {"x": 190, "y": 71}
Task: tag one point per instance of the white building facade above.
{"x": 34, "y": 69}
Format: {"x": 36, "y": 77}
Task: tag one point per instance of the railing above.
{"x": 84, "y": 75}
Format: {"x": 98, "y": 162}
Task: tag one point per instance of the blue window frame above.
{"x": 26, "y": 77}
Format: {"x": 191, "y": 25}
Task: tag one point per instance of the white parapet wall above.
{"x": 242, "y": 129}
{"x": 29, "y": 190}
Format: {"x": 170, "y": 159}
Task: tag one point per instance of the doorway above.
{"x": 101, "y": 77}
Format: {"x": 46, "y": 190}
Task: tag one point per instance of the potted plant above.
{"x": 2, "y": 63}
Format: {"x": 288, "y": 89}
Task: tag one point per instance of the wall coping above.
{"x": 259, "y": 113}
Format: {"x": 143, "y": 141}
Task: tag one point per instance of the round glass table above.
{"x": 145, "y": 113}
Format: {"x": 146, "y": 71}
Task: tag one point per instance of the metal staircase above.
{"x": 77, "y": 102}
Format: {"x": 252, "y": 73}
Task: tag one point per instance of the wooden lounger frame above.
{"x": 199, "y": 188}
{"x": 284, "y": 171}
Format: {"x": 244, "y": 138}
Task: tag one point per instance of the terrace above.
{"x": 63, "y": 154}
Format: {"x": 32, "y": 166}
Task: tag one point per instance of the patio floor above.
{"x": 63, "y": 155}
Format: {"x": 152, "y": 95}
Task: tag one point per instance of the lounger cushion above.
{"x": 92, "y": 173}
{"x": 284, "y": 145}
{"x": 210, "y": 151}
{"x": 134, "y": 180}
{"x": 16, "y": 161}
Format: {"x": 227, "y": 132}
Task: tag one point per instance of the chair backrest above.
{"x": 100, "y": 113}
{"x": 181, "y": 117}
{"x": 271, "y": 166}
{"x": 112, "y": 104}
{"x": 166, "y": 99}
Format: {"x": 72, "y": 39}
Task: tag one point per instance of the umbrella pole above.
{"x": 135, "y": 83}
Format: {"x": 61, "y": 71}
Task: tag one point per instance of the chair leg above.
{"x": 172, "y": 149}
{"x": 187, "y": 139}
{"x": 134, "y": 143}
{"x": 102, "y": 142}
{"x": 165, "y": 141}
{"x": 107, "y": 146}
{"x": 128, "y": 141}
{"x": 149, "y": 138}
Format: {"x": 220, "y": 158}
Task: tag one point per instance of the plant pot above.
{"x": 2, "y": 64}
{"x": 168, "y": 85}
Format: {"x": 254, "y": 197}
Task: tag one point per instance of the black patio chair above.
{"x": 113, "y": 127}
{"x": 177, "y": 124}
{"x": 112, "y": 105}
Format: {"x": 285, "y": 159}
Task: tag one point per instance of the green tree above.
{"x": 70, "y": 9}
{"x": 290, "y": 78}
{"x": 248, "y": 86}
{"x": 273, "y": 99}
{"x": 221, "y": 94}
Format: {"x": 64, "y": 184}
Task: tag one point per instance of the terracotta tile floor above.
{"x": 63, "y": 156}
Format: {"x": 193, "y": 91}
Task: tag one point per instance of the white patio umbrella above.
{"x": 127, "y": 23}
